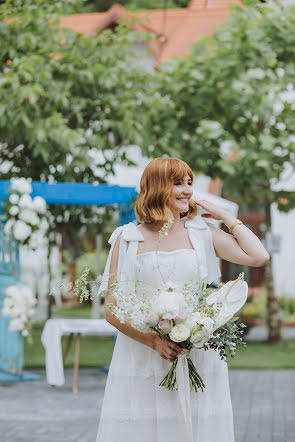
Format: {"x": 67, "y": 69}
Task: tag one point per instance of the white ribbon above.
{"x": 184, "y": 402}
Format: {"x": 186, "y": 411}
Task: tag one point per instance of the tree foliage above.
{"x": 69, "y": 103}
{"x": 234, "y": 101}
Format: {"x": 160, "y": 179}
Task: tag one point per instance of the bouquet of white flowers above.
{"x": 24, "y": 214}
{"x": 189, "y": 318}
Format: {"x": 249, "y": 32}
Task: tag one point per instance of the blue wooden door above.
{"x": 11, "y": 343}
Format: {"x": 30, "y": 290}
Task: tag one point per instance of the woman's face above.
{"x": 181, "y": 192}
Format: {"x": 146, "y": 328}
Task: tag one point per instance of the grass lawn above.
{"x": 98, "y": 351}
{"x": 83, "y": 312}
{"x": 94, "y": 352}
{"x": 261, "y": 355}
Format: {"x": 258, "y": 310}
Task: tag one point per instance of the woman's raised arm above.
{"x": 243, "y": 247}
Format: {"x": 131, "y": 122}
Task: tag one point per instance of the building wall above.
{"x": 284, "y": 225}
{"x": 284, "y": 261}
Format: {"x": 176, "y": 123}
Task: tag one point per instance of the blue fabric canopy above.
{"x": 77, "y": 193}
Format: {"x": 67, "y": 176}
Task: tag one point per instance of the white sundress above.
{"x": 135, "y": 408}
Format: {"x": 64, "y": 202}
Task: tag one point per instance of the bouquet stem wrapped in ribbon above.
{"x": 195, "y": 380}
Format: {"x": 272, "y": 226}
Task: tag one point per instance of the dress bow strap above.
{"x": 130, "y": 233}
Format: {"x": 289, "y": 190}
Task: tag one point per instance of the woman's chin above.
{"x": 182, "y": 208}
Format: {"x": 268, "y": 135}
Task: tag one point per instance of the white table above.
{"x": 54, "y": 329}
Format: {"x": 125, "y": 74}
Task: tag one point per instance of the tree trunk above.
{"x": 273, "y": 308}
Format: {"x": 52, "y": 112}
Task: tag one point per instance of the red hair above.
{"x": 156, "y": 183}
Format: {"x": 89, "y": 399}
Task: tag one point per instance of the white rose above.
{"x": 14, "y": 198}
{"x": 25, "y": 332}
{"x": 21, "y": 185}
{"x": 29, "y": 216}
{"x": 151, "y": 319}
{"x": 25, "y": 201}
{"x": 13, "y": 210}
{"x": 165, "y": 325}
{"x": 179, "y": 333}
{"x": 169, "y": 304}
{"x": 39, "y": 205}
{"x": 21, "y": 231}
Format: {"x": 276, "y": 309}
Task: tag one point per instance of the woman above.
{"x": 135, "y": 408}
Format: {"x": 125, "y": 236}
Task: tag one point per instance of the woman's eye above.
{"x": 178, "y": 183}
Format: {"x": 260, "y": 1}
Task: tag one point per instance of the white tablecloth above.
{"x": 51, "y": 340}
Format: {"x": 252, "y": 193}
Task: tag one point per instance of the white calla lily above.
{"x": 233, "y": 295}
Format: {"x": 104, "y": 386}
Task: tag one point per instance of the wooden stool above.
{"x": 77, "y": 356}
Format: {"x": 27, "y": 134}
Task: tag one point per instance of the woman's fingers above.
{"x": 176, "y": 347}
{"x": 202, "y": 203}
{"x": 170, "y": 350}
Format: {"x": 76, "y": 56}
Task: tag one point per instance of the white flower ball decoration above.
{"x": 29, "y": 216}
{"x": 39, "y": 205}
{"x": 21, "y": 230}
{"x": 13, "y": 211}
{"x": 26, "y": 201}
{"x": 14, "y": 198}
{"x": 24, "y": 215}
{"x": 21, "y": 185}
{"x": 19, "y": 305}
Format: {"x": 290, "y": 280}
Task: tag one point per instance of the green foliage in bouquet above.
{"x": 227, "y": 337}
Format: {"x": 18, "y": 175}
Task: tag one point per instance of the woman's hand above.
{"x": 213, "y": 211}
{"x": 166, "y": 349}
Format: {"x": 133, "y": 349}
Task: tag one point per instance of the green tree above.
{"x": 231, "y": 113}
{"x": 70, "y": 104}
{"x": 64, "y": 96}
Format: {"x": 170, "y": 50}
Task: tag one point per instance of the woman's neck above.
{"x": 177, "y": 223}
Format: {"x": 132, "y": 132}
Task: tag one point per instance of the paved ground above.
{"x": 263, "y": 404}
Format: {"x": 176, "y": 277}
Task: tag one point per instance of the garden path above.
{"x": 263, "y": 404}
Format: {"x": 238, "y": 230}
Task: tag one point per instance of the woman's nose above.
{"x": 187, "y": 190}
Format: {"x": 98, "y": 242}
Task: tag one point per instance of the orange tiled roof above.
{"x": 178, "y": 28}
